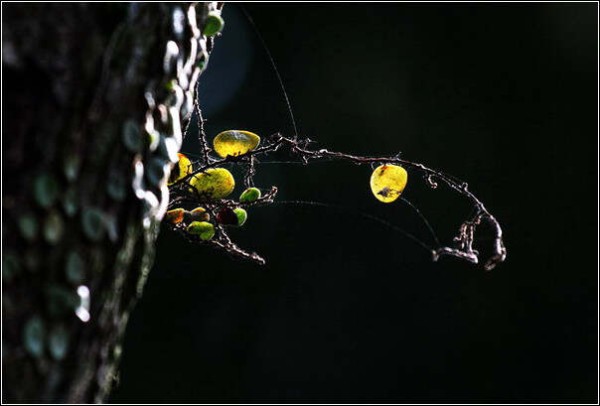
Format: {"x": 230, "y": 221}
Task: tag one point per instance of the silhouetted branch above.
{"x": 298, "y": 148}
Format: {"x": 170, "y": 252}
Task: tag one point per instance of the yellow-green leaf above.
{"x": 203, "y": 229}
{"x": 214, "y": 183}
{"x": 214, "y": 24}
{"x": 250, "y": 195}
{"x": 388, "y": 182}
{"x": 235, "y": 142}
{"x": 241, "y": 215}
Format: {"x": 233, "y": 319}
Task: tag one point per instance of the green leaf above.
{"x": 170, "y": 85}
{"x": 34, "y": 334}
{"x": 131, "y": 136}
{"x": 213, "y": 25}
{"x": 28, "y": 226}
{"x": 153, "y": 139}
{"x": 116, "y": 187}
{"x": 58, "y": 342}
{"x": 112, "y": 227}
{"x": 75, "y": 268}
{"x": 45, "y": 190}
{"x": 93, "y": 224}
{"x": 242, "y": 216}
{"x": 250, "y": 195}
{"x": 53, "y": 228}
{"x": 69, "y": 202}
{"x": 202, "y": 61}
{"x": 71, "y": 167}
{"x": 203, "y": 229}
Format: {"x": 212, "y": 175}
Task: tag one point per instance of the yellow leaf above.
{"x": 235, "y": 142}
{"x": 214, "y": 183}
{"x": 388, "y": 182}
{"x": 181, "y": 170}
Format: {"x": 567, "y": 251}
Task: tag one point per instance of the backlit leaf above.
{"x": 181, "y": 169}
{"x": 235, "y": 142}
{"x": 214, "y": 183}
{"x": 388, "y": 182}
{"x": 250, "y": 195}
{"x": 175, "y": 216}
{"x": 203, "y": 229}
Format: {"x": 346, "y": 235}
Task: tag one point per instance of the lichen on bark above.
{"x": 94, "y": 97}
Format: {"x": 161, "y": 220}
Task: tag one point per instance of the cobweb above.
{"x": 300, "y": 150}
{"x": 303, "y": 151}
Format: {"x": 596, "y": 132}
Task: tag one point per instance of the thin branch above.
{"x": 204, "y": 148}
{"x": 298, "y": 148}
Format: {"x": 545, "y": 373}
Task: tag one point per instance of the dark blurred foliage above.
{"x": 503, "y": 96}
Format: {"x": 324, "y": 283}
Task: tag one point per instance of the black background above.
{"x": 502, "y": 96}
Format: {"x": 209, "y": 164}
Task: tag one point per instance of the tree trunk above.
{"x": 94, "y": 97}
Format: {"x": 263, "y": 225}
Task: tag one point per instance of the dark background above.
{"x": 502, "y": 96}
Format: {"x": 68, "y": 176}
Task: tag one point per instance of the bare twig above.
{"x": 204, "y": 148}
{"x": 298, "y": 148}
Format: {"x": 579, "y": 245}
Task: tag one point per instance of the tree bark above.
{"x": 94, "y": 97}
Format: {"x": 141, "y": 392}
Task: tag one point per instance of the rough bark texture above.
{"x": 94, "y": 97}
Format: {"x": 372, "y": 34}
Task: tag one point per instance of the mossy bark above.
{"x": 94, "y": 97}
